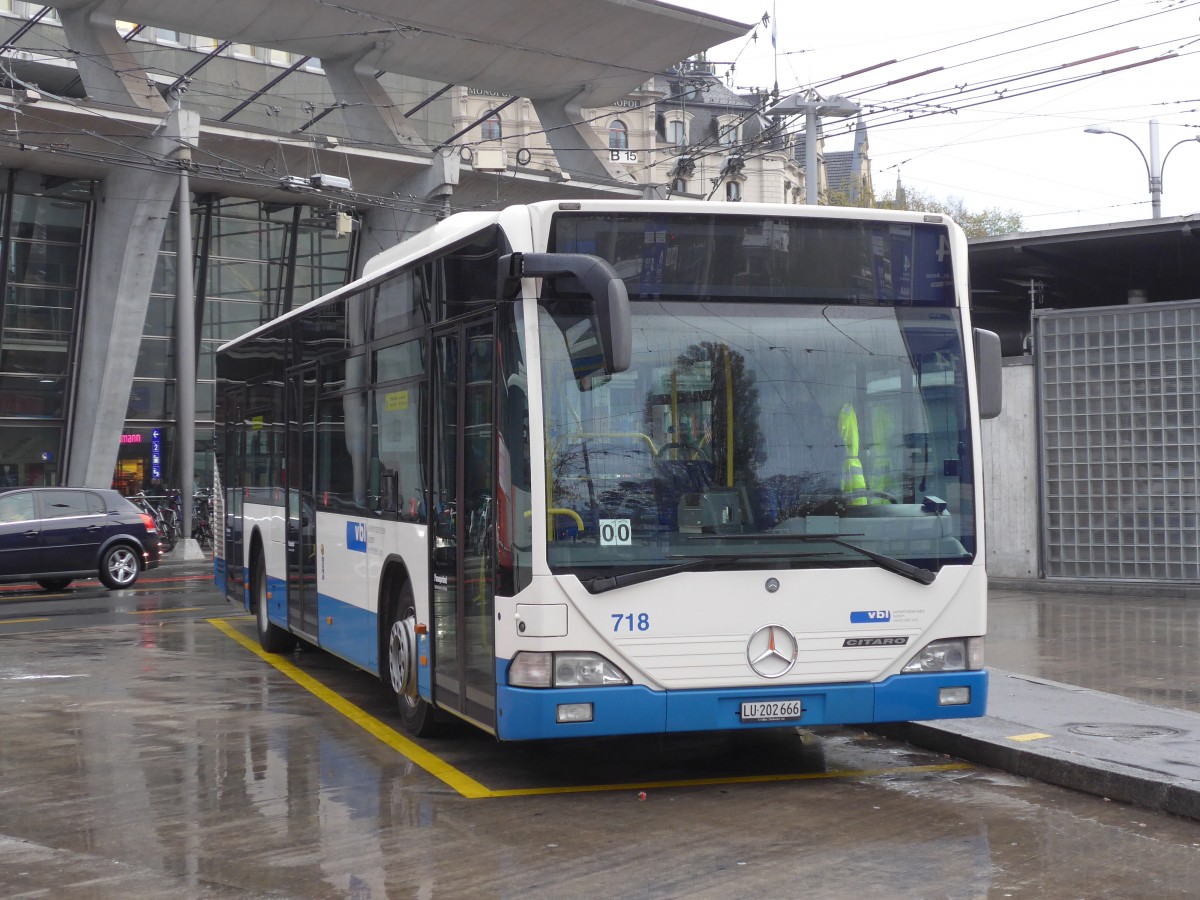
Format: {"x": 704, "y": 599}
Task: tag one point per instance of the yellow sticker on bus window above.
{"x": 396, "y": 400}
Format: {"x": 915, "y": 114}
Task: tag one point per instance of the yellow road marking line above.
{"x": 471, "y": 789}
{"x": 435, "y": 766}
{"x": 33, "y": 597}
{"x": 150, "y": 612}
{"x": 15, "y": 621}
{"x": 1032, "y": 736}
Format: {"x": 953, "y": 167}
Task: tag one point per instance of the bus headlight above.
{"x": 543, "y": 670}
{"x": 952, "y": 655}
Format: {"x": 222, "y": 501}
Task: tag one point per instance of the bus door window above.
{"x": 302, "y": 520}
{"x": 443, "y": 513}
{"x": 233, "y": 472}
{"x": 478, "y": 527}
{"x": 514, "y": 523}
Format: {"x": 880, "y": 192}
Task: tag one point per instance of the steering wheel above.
{"x": 863, "y": 493}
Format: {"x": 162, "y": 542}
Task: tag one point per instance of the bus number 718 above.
{"x": 631, "y": 621}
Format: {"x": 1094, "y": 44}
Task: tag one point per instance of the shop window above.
{"x": 31, "y": 396}
{"x": 30, "y": 454}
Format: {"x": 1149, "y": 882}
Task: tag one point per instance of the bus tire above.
{"x": 400, "y": 672}
{"x": 271, "y": 637}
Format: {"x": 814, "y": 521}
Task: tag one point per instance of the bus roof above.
{"x": 444, "y": 233}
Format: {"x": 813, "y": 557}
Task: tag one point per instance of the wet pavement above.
{"x": 1098, "y": 691}
{"x": 147, "y": 751}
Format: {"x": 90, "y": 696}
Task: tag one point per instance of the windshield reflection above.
{"x": 751, "y": 422}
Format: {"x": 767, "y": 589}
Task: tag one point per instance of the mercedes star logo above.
{"x": 771, "y": 651}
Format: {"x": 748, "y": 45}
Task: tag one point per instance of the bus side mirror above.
{"x": 989, "y": 373}
{"x": 602, "y": 284}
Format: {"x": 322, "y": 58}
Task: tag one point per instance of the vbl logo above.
{"x": 356, "y": 536}
{"x": 871, "y": 615}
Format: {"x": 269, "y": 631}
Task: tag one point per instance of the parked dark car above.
{"x": 53, "y": 535}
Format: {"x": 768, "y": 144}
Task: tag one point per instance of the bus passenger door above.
{"x": 233, "y": 484}
{"x": 301, "y": 512}
{"x": 464, "y": 533}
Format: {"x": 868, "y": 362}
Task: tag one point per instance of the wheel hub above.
{"x": 402, "y": 656}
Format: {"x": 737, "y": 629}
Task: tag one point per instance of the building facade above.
{"x": 684, "y": 133}
{"x": 298, "y": 157}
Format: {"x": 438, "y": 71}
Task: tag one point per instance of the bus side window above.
{"x": 396, "y": 464}
{"x": 336, "y": 431}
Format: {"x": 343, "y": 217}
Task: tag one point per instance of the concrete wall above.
{"x": 1010, "y": 472}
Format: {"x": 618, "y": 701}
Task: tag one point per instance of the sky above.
{"x": 1001, "y": 123}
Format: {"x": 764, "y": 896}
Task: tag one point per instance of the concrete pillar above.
{"x": 184, "y": 127}
{"x": 384, "y": 228}
{"x": 1011, "y": 475}
{"x": 370, "y": 114}
{"x": 109, "y": 71}
{"x": 577, "y": 147}
{"x": 132, "y": 207}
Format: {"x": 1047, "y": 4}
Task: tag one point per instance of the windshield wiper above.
{"x": 897, "y": 566}
{"x": 602, "y": 583}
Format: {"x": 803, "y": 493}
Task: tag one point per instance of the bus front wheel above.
{"x": 271, "y": 637}
{"x": 400, "y": 676}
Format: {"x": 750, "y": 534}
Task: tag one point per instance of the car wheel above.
{"x": 54, "y": 584}
{"x": 271, "y": 637}
{"x": 119, "y": 567}
{"x": 400, "y": 676}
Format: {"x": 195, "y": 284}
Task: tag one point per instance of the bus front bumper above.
{"x": 531, "y": 714}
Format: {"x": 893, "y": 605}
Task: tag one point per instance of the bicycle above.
{"x": 202, "y": 529}
{"x": 166, "y": 520}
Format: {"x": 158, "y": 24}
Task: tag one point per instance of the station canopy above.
{"x": 592, "y": 52}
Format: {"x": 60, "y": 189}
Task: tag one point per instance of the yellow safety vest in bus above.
{"x": 853, "y": 482}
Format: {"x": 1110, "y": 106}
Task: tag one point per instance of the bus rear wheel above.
{"x": 271, "y": 637}
{"x": 400, "y": 676}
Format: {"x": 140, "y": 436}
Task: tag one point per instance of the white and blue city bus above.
{"x": 597, "y": 468}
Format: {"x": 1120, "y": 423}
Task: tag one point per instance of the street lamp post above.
{"x": 1154, "y": 168}
{"x": 813, "y": 108}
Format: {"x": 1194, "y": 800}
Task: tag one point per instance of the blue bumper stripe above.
{"x": 528, "y": 714}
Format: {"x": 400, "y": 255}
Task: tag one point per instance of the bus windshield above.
{"x": 745, "y": 430}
